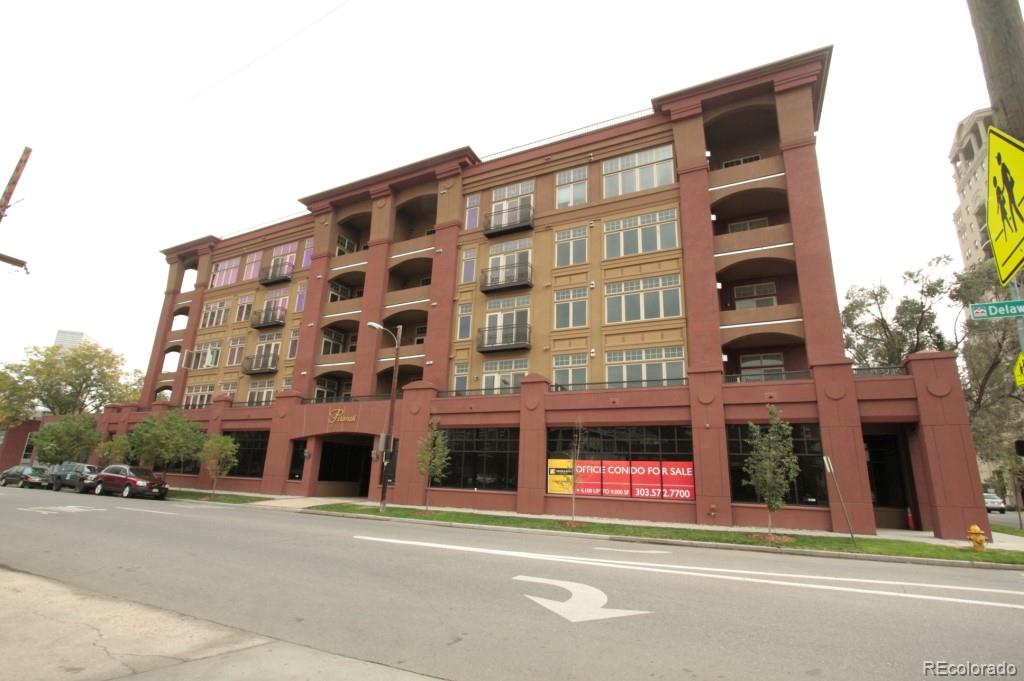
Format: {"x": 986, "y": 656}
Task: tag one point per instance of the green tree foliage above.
{"x": 115, "y": 450}
{"x": 772, "y": 466}
{"x": 878, "y": 334}
{"x": 76, "y": 381}
{"x": 433, "y": 456}
{"x": 164, "y": 442}
{"x": 219, "y": 455}
{"x": 70, "y": 439}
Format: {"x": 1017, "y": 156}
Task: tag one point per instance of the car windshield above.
{"x": 36, "y": 470}
{"x": 90, "y": 469}
{"x": 992, "y": 497}
{"x": 140, "y": 472}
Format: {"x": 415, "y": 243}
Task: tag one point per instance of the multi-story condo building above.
{"x": 969, "y": 156}
{"x": 600, "y": 315}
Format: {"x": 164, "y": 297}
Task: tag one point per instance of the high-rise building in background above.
{"x": 70, "y": 340}
{"x": 969, "y": 157}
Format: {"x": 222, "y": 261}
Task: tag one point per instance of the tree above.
{"x": 161, "y": 443}
{"x": 115, "y": 450}
{"x": 433, "y": 456}
{"x": 876, "y": 334}
{"x": 219, "y": 455}
{"x": 771, "y": 466}
{"x": 63, "y": 381}
{"x": 70, "y": 439}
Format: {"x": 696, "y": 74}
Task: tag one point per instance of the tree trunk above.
{"x": 213, "y": 493}
{"x": 1000, "y": 33}
{"x": 426, "y": 506}
{"x": 771, "y": 534}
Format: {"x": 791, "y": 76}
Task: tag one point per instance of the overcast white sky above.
{"x": 137, "y": 146}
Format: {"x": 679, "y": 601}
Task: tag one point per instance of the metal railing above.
{"x": 507, "y": 276}
{"x": 508, "y": 220}
{"x": 279, "y": 271}
{"x": 504, "y": 390}
{"x": 255, "y": 403}
{"x": 505, "y": 337}
{"x": 620, "y": 385}
{"x": 769, "y": 376}
{"x": 879, "y": 371}
{"x": 259, "y": 364}
{"x": 270, "y": 317}
{"x": 334, "y": 399}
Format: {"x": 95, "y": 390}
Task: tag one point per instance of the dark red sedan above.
{"x": 129, "y": 481}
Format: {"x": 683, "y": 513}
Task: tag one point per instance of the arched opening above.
{"x": 189, "y": 276}
{"x": 334, "y": 386}
{"x": 353, "y": 234}
{"x": 163, "y": 394}
{"x": 759, "y": 357}
{"x": 406, "y": 375}
{"x": 172, "y": 358}
{"x": 410, "y": 273}
{"x": 339, "y": 338}
{"x": 742, "y": 136}
{"x": 748, "y": 210}
{"x": 416, "y": 217}
{"x": 346, "y": 286}
{"x": 180, "y": 320}
{"x": 758, "y": 283}
{"x": 414, "y": 328}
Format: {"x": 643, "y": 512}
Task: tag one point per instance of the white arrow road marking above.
{"x": 716, "y": 573}
{"x": 143, "y": 510}
{"x": 585, "y": 603}
{"x": 606, "y": 548}
{"x": 53, "y": 510}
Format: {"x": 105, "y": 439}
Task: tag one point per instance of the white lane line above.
{"x": 687, "y": 571}
{"x": 143, "y": 510}
{"x": 605, "y": 548}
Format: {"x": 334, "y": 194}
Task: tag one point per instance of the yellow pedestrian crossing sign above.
{"x": 1005, "y": 219}
{"x": 1018, "y": 370}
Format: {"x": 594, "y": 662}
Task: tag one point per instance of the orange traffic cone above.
{"x": 910, "y": 519}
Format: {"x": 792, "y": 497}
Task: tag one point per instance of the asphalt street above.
{"x": 467, "y": 604}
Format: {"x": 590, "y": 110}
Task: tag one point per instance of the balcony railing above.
{"x": 879, "y": 371}
{"x": 274, "y": 316}
{"x": 620, "y": 385}
{"x": 506, "y": 337}
{"x": 506, "y": 277}
{"x": 260, "y": 364}
{"x": 507, "y": 221}
{"x": 255, "y": 402}
{"x": 768, "y": 376}
{"x": 276, "y": 273}
{"x": 333, "y": 399}
{"x": 502, "y": 390}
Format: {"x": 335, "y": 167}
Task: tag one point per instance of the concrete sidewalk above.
{"x": 103, "y": 638}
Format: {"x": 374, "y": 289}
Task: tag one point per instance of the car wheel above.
{"x": 161, "y": 496}
{"x": 1002, "y": 510}
{"x": 127, "y": 491}
{"x": 3, "y": 482}
{"x": 98, "y": 490}
{"x": 56, "y": 487}
{"x": 21, "y": 484}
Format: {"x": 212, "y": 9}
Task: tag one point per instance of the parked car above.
{"x": 25, "y": 476}
{"x": 81, "y": 476}
{"x": 129, "y": 481}
{"x": 993, "y": 502}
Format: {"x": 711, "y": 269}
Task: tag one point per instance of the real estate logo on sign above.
{"x": 1004, "y": 213}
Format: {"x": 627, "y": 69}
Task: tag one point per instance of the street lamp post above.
{"x": 388, "y": 437}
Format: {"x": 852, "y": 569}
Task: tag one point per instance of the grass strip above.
{"x": 206, "y": 496}
{"x": 881, "y": 547}
{"x": 1003, "y": 529}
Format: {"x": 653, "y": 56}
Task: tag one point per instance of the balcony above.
{"x": 768, "y": 375}
{"x": 506, "y": 277}
{"x": 266, "y": 318}
{"x": 507, "y": 337}
{"x": 276, "y": 273}
{"x": 507, "y": 221}
{"x": 259, "y": 364}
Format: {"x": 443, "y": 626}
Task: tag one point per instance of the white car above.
{"x": 994, "y": 503}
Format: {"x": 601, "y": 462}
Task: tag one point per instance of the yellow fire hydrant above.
{"x": 977, "y": 538}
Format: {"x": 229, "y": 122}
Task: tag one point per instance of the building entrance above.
{"x": 345, "y": 466}
{"x": 891, "y": 478}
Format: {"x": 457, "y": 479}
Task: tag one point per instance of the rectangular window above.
{"x": 225, "y": 273}
{"x": 482, "y": 458}
{"x": 244, "y": 308}
{"x": 252, "y": 266}
{"x": 206, "y": 355}
{"x": 503, "y": 376}
{"x": 746, "y": 225}
{"x": 460, "y": 382}
{"x": 344, "y": 246}
{"x": 731, "y": 163}
{"x": 571, "y": 187}
{"x": 571, "y": 308}
{"x": 326, "y": 389}
{"x": 646, "y": 367}
{"x": 763, "y": 367}
{"x": 252, "y": 452}
{"x": 809, "y": 488}
{"x": 468, "y": 265}
{"x": 507, "y": 321}
{"x": 571, "y": 247}
{"x": 636, "y": 172}
{"x": 215, "y": 314}
{"x": 751, "y": 296}
{"x": 307, "y": 253}
{"x": 570, "y": 371}
{"x": 636, "y": 299}
{"x": 236, "y": 349}
{"x": 334, "y": 342}
{"x": 229, "y": 388}
{"x": 300, "y": 297}
{"x": 261, "y": 393}
{"x": 268, "y": 347}
{"x": 286, "y": 384}
{"x": 420, "y": 335}
{"x": 293, "y": 344}
{"x": 464, "y": 322}
{"x": 338, "y": 291}
{"x": 512, "y": 204}
{"x": 472, "y": 211}
{"x": 509, "y": 262}
{"x": 640, "y": 234}
{"x": 197, "y": 396}
{"x": 275, "y": 305}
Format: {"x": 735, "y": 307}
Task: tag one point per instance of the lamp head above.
{"x": 375, "y": 325}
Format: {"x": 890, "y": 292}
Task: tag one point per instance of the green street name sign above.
{"x": 1002, "y": 309}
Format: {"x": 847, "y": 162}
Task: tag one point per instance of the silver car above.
{"x": 994, "y": 503}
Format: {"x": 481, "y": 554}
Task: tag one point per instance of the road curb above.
{"x": 814, "y": 553}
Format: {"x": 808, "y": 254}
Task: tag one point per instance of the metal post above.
{"x": 388, "y": 446}
{"x": 842, "y": 503}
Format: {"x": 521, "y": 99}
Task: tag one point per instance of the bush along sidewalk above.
{"x": 865, "y": 545}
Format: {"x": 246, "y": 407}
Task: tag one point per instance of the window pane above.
{"x": 561, "y": 316}
{"x": 634, "y": 373}
{"x": 579, "y": 313}
{"x": 631, "y": 242}
{"x": 664, "y": 173}
{"x": 563, "y": 196}
{"x": 668, "y": 235}
{"x": 613, "y": 310}
{"x": 646, "y": 177}
{"x": 649, "y": 238}
{"x": 654, "y": 373}
{"x": 612, "y": 246}
{"x": 628, "y": 182}
{"x": 611, "y": 186}
{"x": 562, "y": 254}
{"x": 579, "y": 193}
{"x": 615, "y": 374}
{"x": 464, "y": 327}
{"x": 671, "y": 298}
{"x": 652, "y": 304}
{"x": 674, "y": 369}
{"x": 632, "y": 307}
{"x": 579, "y": 251}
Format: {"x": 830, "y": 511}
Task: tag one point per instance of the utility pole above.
{"x": 5, "y": 202}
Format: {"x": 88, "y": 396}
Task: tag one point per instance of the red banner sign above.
{"x": 635, "y": 479}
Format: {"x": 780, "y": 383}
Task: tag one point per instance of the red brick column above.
{"x": 279, "y": 447}
{"x": 533, "y": 445}
{"x": 412, "y": 416}
{"x": 442, "y": 292}
{"x": 364, "y": 374}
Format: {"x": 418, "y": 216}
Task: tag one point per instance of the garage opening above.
{"x": 345, "y": 466}
{"x": 891, "y": 477}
